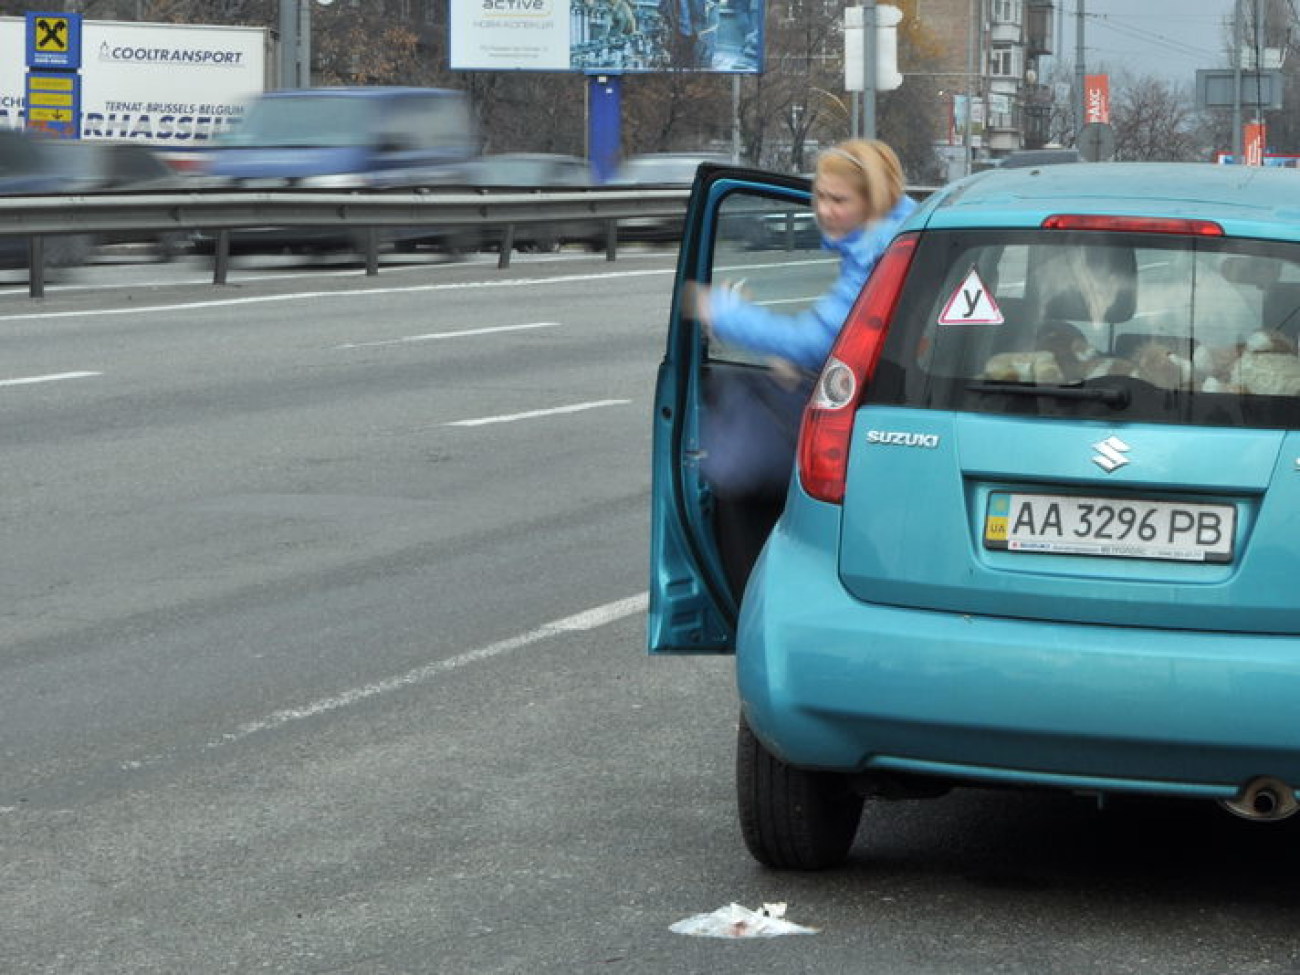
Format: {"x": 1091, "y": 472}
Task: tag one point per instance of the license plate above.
{"x": 1128, "y": 528}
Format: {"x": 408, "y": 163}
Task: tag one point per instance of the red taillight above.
{"x": 1142, "y": 225}
{"x": 828, "y": 419}
{"x": 184, "y": 162}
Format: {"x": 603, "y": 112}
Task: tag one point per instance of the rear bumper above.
{"x": 828, "y": 681}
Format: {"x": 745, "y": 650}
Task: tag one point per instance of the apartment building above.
{"x": 990, "y": 74}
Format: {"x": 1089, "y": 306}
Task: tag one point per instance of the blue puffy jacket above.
{"x": 806, "y": 338}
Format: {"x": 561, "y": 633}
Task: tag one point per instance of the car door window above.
{"x": 770, "y": 247}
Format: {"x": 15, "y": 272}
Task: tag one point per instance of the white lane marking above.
{"x": 589, "y": 620}
{"x": 360, "y": 293}
{"x": 484, "y": 421}
{"x": 53, "y": 377}
{"x": 433, "y": 336}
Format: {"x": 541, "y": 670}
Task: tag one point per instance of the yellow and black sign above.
{"x": 52, "y": 34}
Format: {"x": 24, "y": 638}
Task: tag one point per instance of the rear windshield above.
{"x": 1138, "y": 327}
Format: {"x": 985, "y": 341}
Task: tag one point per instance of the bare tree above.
{"x": 793, "y": 103}
{"x": 363, "y": 45}
{"x": 526, "y": 112}
{"x": 675, "y": 110}
{"x": 911, "y": 118}
{"x": 1154, "y": 122}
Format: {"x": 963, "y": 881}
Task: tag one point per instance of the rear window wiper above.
{"x": 1108, "y": 395}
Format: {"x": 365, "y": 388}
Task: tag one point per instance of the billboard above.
{"x": 1254, "y": 138}
{"x": 1218, "y": 89}
{"x": 163, "y": 84}
{"x": 607, "y": 36}
{"x": 1096, "y": 99}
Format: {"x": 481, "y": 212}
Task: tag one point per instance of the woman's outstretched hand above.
{"x": 708, "y": 302}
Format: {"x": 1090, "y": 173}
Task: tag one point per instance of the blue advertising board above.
{"x": 54, "y": 41}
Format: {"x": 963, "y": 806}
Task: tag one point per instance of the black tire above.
{"x": 790, "y": 818}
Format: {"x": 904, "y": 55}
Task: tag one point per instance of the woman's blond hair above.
{"x": 872, "y": 167}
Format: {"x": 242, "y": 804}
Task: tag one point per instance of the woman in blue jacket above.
{"x": 859, "y": 204}
{"x": 749, "y": 427}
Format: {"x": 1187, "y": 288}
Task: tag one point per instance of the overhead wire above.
{"x": 1138, "y": 33}
{"x": 1118, "y": 25}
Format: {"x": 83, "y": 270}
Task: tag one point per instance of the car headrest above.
{"x": 1085, "y": 282}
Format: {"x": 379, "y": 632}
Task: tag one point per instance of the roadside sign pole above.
{"x": 869, "y": 55}
{"x": 1080, "y": 71}
{"x": 288, "y": 53}
{"x": 604, "y": 100}
{"x": 1237, "y": 141}
{"x": 735, "y": 119}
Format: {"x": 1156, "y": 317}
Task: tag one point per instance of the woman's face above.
{"x": 838, "y": 205}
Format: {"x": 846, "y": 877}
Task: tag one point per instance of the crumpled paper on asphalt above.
{"x": 735, "y": 921}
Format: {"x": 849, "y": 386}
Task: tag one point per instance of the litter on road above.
{"x": 735, "y": 921}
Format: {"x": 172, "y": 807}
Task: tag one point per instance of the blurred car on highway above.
{"x": 90, "y": 166}
{"x": 27, "y": 167}
{"x": 342, "y": 139}
{"x": 659, "y": 170}
{"x": 530, "y": 171}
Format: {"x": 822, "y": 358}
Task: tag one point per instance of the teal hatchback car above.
{"x": 1043, "y": 528}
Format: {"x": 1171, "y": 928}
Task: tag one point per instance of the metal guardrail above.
{"x": 222, "y": 210}
{"x": 225, "y": 210}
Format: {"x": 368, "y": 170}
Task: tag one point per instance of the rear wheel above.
{"x": 791, "y": 818}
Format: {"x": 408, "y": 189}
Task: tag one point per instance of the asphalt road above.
{"x": 321, "y": 650}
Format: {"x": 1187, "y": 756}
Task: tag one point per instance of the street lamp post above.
{"x": 287, "y": 59}
{"x": 869, "y": 55}
{"x": 294, "y": 62}
{"x": 1238, "y": 36}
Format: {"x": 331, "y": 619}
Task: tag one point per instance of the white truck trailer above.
{"x": 172, "y": 86}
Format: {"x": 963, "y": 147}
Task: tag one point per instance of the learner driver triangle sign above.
{"x": 971, "y": 304}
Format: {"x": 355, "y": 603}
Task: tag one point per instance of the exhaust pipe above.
{"x": 1263, "y": 799}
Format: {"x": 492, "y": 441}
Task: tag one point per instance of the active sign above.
{"x": 607, "y": 36}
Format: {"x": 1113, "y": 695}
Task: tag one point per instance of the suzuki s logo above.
{"x": 1110, "y": 454}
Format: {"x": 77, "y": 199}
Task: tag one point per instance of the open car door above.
{"x": 740, "y": 224}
